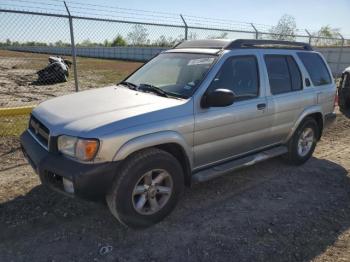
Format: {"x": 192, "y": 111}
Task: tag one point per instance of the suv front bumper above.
{"x": 90, "y": 180}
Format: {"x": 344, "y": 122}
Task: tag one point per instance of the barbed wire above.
{"x": 125, "y": 16}
{"x": 114, "y": 7}
{"x": 35, "y": 2}
{"x": 137, "y": 15}
{"x": 27, "y": 8}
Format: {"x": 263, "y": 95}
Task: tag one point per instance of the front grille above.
{"x": 39, "y": 131}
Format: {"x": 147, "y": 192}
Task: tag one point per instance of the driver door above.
{"x": 222, "y": 133}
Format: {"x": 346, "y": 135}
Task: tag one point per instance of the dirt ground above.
{"x": 268, "y": 212}
{"x": 18, "y": 75}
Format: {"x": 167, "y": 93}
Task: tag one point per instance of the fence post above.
{"x": 256, "y": 31}
{"x": 186, "y": 27}
{"x": 74, "y": 53}
{"x": 310, "y": 36}
{"x": 341, "y": 52}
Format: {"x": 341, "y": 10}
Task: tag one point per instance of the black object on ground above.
{"x": 57, "y": 71}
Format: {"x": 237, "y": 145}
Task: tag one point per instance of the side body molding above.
{"x": 308, "y": 111}
{"x": 154, "y": 139}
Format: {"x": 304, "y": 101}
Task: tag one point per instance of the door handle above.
{"x": 261, "y": 106}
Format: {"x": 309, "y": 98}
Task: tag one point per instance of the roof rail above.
{"x": 243, "y": 43}
{"x": 279, "y": 44}
{"x": 209, "y": 43}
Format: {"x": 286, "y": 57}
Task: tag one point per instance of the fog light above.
{"x": 68, "y": 186}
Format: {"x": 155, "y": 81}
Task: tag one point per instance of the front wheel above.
{"x": 146, "y": 189}
{"x": 302, "y": 144}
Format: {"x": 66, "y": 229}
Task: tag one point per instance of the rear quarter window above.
{"x": 316, "y": 68}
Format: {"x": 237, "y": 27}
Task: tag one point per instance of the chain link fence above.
{"x": 95, "y": 49}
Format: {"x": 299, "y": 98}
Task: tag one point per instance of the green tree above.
{"x": 106, "y": 43}
{"x": 119, "y": 41}
{"x": 222, "y": 35}
{"x": 285, "y": 29}
{"x": 89, "y": 43}
{"x": 327, "y": 36}
{"x": 162, "y": 41}
{"x": 192, "y": 36}
{"x": 60, "y": 43}
{"x": 138, "y": 35}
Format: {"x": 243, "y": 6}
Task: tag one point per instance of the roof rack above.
{"x": 243, "y": 43}
{"x": 251, "y": 43}
{"x": 209, "y": 44}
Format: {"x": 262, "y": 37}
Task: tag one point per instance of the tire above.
{"x": 124, "y": 196}
{"x": 296, "y": 155}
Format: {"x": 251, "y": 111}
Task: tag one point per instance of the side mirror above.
{"x": 218, "y": 98}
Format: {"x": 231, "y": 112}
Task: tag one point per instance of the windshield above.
{"x": 176, "y": 74}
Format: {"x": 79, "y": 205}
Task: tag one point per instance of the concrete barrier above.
{"x": 122, "y": 52}
{"x": 336, "y": 60}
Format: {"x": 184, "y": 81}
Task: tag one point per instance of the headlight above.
{"x": 80, "y": 148}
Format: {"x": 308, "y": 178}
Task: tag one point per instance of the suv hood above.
{"x": 80, "y": 113}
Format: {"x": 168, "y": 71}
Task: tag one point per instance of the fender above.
{"x": 154, "y": 139}
{"x": 308, "y": 111}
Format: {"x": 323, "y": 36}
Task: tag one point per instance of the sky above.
{"x": 310, "y": 14}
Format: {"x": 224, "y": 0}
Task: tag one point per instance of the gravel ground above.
{"x": 268, "y": 212}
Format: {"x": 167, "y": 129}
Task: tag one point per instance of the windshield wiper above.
{"x": 152, "y": 88}
{"x": 129, "y": 85}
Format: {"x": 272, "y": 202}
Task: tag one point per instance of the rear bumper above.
{"x": 329, "y": 119}
{"x": 90, "y": 180}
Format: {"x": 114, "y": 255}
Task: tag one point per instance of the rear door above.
{"x": 287, "y": 96}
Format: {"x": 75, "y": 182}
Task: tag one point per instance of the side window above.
{"x": 316, "y": 68}
{"x": 297, "y": 83}
{"x": 240, "y": 75}
{"x": 284, "y": 74}
{"x": 279, "y": 78}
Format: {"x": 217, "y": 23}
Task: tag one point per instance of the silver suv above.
{"x": 198, "y": 111}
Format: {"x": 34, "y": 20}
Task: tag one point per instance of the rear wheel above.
{"x": 302, "y": 144}
{"x": 147, "y": 188}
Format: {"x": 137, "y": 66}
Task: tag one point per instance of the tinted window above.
{"x": 239, "y": 74}
{"x": 294, "y": 73}
{"x": 278, "y": 71}
{"x": 316, "y": 67}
